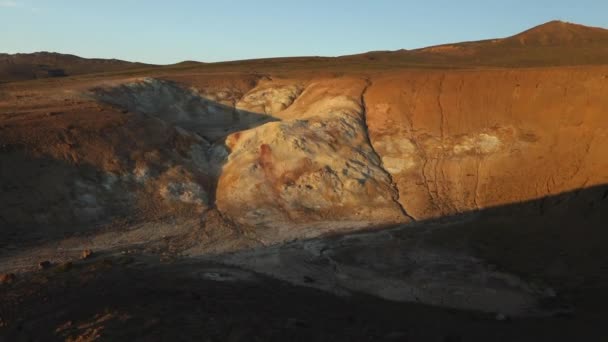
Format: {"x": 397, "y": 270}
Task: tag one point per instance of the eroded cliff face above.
{"x": 450, "y": 142}
{"x": 466, "y": 140}
{"x": 264, "y": 167}
{"x": 301, "y": 156}
{"x": 316, "y": 164}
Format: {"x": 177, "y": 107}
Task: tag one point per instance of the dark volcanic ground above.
{"x": 131, "y": 297}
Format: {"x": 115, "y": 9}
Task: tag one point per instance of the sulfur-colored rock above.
{"x": 316, "y": 164}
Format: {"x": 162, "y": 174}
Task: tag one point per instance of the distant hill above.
{"x": 559, "y": 33}
{"x": 27, "y": 66}
{"x": 550, "y": 44}
{"x": 555, "y": 43}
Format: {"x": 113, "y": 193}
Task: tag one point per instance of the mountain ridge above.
{"x": 554, "y": 43}
{"x": 44, "y": 64}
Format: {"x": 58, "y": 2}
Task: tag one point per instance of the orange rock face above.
{"x": 457, "y": 141}
{"x": 315, "y": 165}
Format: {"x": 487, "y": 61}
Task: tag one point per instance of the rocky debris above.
{"x": 180, "y": 187}
{"x": 124, "y": 260}
{"x": 191, "y": 193}
{"x": 86, "y": 254}
{"x": 7, "y": 278}
{"x": 269, "y": 98}
{"x": 550, "y": 293}
{"x": 308, "y": 279}
{"x": 295, "y": 323}
{"x": 64, "y": 267}
{"x": 452, "y": 338}
{"x": 398, "y": 265}
{"x": 43, "y": 265}
{"x": 501, "y": 317}
{"x": 125, "y": 302}
{"x": 397, "y": 336}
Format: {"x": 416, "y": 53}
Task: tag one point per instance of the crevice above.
{"x": 425, "y": 160}
{"x": 433, "y": 190}
{"x": 368, "y": 83}
{"x": 445, "y": 189}
{"x": 440, "y": 106}
{"x": 442, "y": 137}
{"x": 475, "y": 192}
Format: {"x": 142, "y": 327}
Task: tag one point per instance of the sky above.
{"x": 170, "y": 31}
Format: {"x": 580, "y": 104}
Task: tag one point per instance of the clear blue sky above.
{"x": 169, "y": 31}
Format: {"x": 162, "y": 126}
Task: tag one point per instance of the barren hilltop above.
{"x": 27, "y": 66}
{"x": 463, "y": 183}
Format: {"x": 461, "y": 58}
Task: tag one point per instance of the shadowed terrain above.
{"x": 121, "y": 296}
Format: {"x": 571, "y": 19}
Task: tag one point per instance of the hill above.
{"x": 27, "y": 66}
{"x": 555, "y": 43}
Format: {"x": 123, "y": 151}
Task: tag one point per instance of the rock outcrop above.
{"x": 316, "y": 164}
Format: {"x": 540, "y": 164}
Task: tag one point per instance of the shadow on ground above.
{"x": 557, "y": 240}
{"x": 126, "y": 299}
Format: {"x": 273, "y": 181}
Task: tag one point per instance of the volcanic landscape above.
{"x": 450, "y": 193}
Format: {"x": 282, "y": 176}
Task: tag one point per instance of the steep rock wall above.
{"x": 456, "y": 141}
